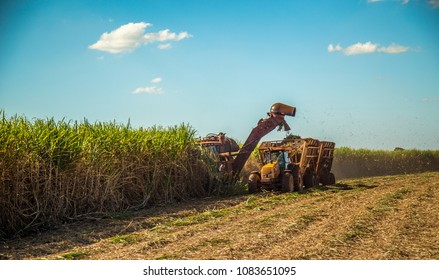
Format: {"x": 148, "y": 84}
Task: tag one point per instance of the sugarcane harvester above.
{"x": 288, "y": 165}
{"x": 229, "y": 157}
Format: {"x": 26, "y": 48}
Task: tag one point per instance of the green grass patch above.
{"x": 75, "y": 255}
{"x": 190, "y": 220}
{"x": 356, "y": 231}
{"x": 158, "y": 242}
{"x": 216, "y": 242}
{"x": 168, "y": 257}
{"x": 389, "y": 202}
{"x": 125, "y": 239}
{"x": 201, "y": 217}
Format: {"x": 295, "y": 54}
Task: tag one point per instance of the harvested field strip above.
{"x": 391, "y": 217}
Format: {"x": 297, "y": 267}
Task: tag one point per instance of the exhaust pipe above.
{"x": 283, "y": 109}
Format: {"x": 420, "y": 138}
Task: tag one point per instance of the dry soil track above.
{"x": 391, "y": 217}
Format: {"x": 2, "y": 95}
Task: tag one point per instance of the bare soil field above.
{"x": 388, "y": 217}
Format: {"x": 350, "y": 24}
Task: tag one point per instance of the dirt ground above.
{"x": 390, "y": 217}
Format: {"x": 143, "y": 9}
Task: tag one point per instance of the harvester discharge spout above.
{"x": 279, "y": 110}
{"x": 283, "y": 109}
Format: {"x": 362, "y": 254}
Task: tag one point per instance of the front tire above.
{"x": 254, "y": 183}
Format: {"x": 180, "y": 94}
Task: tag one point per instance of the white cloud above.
{"x": 149, "y": 90}
{"x": 368, "y": 47}
{"x": 156, "y": 80}
{"x": 428, "y": 99}
{"x": 152, "y": 89}
{"x": 404, "y": 2}
{"x": 132, "y": 35}
{"x": 360, "y": 48}
{"x": 164, "y": 46}
{"x": 375, "y": 1}
{"x": 331, "y": 48}
{"x": 124, "y": 39}
{"x": 165, "y": 35}
{"x": 394, "y": 49}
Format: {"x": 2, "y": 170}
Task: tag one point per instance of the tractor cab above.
{"x": 275, "y": 162}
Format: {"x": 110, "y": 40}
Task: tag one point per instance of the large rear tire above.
{"x": 310, "y": 180}
{"x": 298, "y": 183}
{"x": 324, "y": 179}
{"x": 297, "y": 179}
{"x": 287, "y": 182}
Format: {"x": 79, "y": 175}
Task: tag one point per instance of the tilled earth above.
{"x": 390, "y": 217}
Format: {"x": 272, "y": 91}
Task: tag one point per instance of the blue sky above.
{"x": 364, "y": 74}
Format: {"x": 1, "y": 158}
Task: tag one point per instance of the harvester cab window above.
{"x": 287, "y": 158}
{"x": 269, "y": 158}
{"x": 280, "y": 159}
{"x": 277, "y": 156}
{"x": 273, "y": 157}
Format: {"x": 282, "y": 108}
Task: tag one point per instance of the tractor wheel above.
{"x": 287, "y": 182}
{"x": 254, "y": 183}
{"x": 324, "y": 179}
{"x": 297, "y": 179}
{"x": 298, "y": 182}
{"x": 317, "y": 181}
{"x": 309, "y": 180}
{"x": 331, "y": 179}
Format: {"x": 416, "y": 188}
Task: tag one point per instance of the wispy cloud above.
{"x": 360, "y": 48}
{"x": 404, "y": 2}
{"x": 130, "y": 36}
{"x": 394, "y": 49}
{"x": 368, "y": 47}
{"x": 149, "y": 90}
{"x": 165, "y": 35}
{"x": 332, "y": 48}
{"x": 431, "y": 99}
{"x": 164, "y": 46}
{"x": 156, "y": 80}
{"x": 434, "y": 3}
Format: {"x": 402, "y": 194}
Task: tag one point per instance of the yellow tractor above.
{"x": 292, "y": 164}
